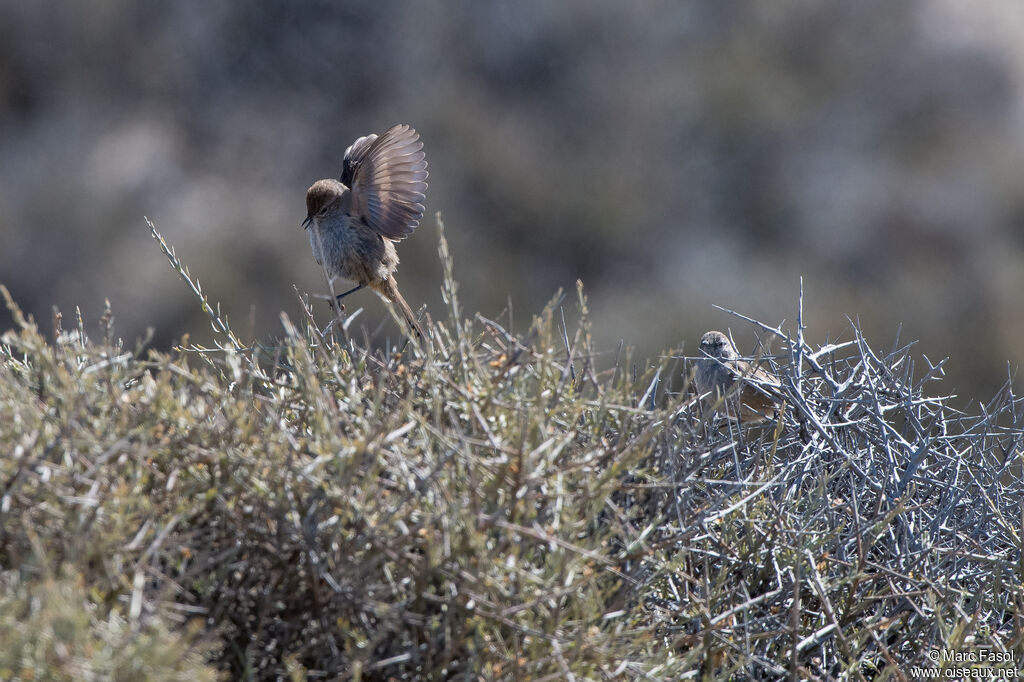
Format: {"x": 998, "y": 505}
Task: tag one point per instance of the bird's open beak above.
{"x": 306, "y": 222}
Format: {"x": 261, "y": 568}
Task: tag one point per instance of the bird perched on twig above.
{"x": 378, "y": 201}
{"x": 718, "y": 371}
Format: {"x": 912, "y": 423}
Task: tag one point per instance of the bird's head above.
{"x": 321, "y": 199}
{"x": 717, "y": 345}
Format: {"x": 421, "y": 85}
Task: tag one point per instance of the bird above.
{"x": 716, "y": 375}
{"x": 355, "y": 221}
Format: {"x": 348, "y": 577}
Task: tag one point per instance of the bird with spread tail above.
{"x": 757, "y": 397}
{"x": 354, "y": 222}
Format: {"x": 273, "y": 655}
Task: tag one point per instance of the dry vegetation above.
{"x": 500, "y": 506}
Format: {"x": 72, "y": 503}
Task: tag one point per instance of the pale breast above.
{"x": 352, "y": 251}
{"x": 314, "y": 244}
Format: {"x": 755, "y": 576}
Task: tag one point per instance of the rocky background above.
{"x": 671, "y": 155}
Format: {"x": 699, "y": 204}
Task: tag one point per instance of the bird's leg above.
{"x": 350, "y": 291}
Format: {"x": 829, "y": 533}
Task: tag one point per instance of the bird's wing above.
{"x": 762, "y": 378}
{"x": 388, "y": 180}
{"x": 353, "y": 155}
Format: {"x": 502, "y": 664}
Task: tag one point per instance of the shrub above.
{"x": 490, "y": 505}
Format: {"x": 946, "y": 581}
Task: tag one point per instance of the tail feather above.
{"x": 390, "y": 291}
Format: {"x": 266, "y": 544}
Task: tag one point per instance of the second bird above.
{"x": 717, "y": 373}
{"x": 378, "y": 201}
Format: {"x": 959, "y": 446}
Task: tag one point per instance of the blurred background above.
{"x": 671, "y": 155}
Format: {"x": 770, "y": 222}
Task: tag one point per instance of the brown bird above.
{"x": 377, "y": 201}
{"x": 758, "y": 395}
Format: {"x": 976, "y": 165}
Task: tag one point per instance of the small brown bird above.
{"x": 377, "y": 201}
{"x": 718, "y": 371}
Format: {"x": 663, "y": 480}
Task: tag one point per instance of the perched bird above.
{"x": 378, "y": 201}
{"x": 717, "y": 373}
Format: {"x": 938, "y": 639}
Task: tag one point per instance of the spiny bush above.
{"x": 489, "y": 505}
